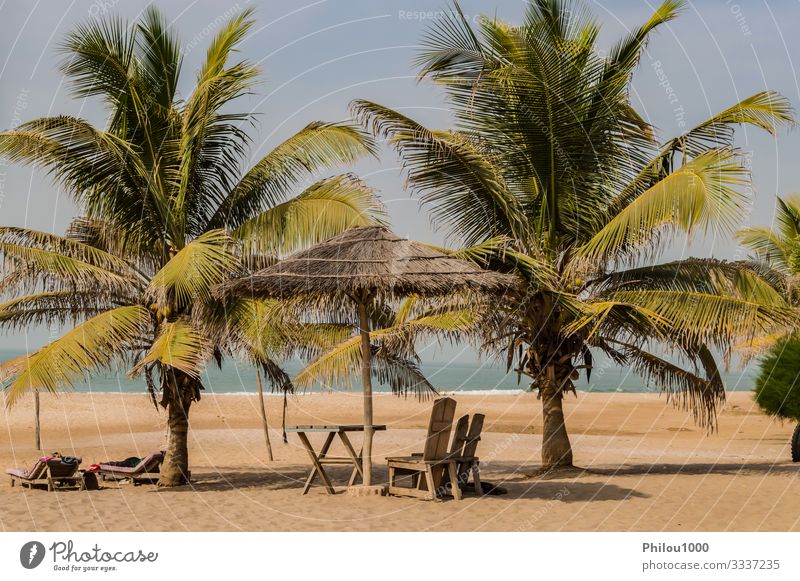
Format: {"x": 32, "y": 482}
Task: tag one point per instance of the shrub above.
{"x": 778, "y": 383}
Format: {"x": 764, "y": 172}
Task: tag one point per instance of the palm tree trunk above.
{"x": 283, "y": 419}
{"x": 175, "y": 468}
{"x": 556, "y": 447}
{"x": 366, "y": 380}
{"x": 37, "y": 423}
{"x": 264, "y": 416}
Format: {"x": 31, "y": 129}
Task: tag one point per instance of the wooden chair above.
{"x": 464, "y": 451}
{"x": 426, "y": 470}
{"x": 54, "y": 473}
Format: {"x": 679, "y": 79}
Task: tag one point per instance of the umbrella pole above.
{"x": 366, "y": 380}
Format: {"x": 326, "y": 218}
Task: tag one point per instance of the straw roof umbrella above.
{"x": 368, "y": 265}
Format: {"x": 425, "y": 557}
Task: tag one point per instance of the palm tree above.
{"x": 778, "y": 249}
{"x": 555, "y": 176}
{"x": 169, "y": 208}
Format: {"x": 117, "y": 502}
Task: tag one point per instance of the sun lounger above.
{"x": 53, "y": 473}
{"x": 147, "y": 469}
{"x": 426, "y": 470}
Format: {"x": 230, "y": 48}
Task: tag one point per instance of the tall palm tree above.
{"x": 169, "y": 208}
{"x": 551, "y": 171}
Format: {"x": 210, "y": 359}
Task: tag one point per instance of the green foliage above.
{"x": 549, "y": 172}
{"x": 777, "y": 389}
{"x": 170, "y": 209}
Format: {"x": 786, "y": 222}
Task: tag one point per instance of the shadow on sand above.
{"x": 573, "y": 491}
{"x": 569, "y": 485}
{"x": 728, "y": 468}
{"x": 280, "y": 477}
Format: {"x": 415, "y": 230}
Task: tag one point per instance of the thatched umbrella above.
{"x": 368, "y": 265}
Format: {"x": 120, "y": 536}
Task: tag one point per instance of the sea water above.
{"x": 484, "y": 376}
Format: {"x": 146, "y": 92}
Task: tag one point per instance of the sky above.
{"x": 317, "y": 56}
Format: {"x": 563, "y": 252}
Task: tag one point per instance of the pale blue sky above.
{"x": 317, "y": 56}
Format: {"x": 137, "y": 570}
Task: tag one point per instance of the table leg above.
{"x": 318, "y": 469}
{"x": 358, "y": 469}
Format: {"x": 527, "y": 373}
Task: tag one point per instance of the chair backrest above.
{"x": 37, "y": 471}
{"x": 444, "y": 410}
{"x": 459, "y": 436}
{"x": 152, "y": 461}
{"x": 473, "y": 436}
{"x": 58, "y": 469}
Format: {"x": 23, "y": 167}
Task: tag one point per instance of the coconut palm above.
{"x": 778, "y": 249}
{"x": 554, "y": 174}
{"x": 169, "y": 208}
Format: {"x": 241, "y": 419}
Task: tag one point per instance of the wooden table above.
{"x": 321, "y": 459}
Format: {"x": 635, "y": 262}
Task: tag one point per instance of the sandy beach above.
{"x": 647, "y": 467}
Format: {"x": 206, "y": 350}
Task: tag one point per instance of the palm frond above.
{"x": 335, "y": 367}
{"x": 625, "y": 55}
{"x": 54, "y": 308}
{"x": 178, "y": 346}
{"x": 317, "y": 147}
{"x": 402, "y": 375}
{"x": 326, "y": 208}
{"x": 27, "y": 268}
{"x": 766, "y": 110}
{"x": 712, "y": 319}
{"x": 99, "y": 61}
{"x": 770, "y": 247}
{"x": 81, "y": 158}
{"x": 212, "y": 142}
{"x": 82, "y": 351}
{"x": 193, "y": 270}
{"x": 703, "y": 194}
{"x": 743, "y": 279}
{"x": 278, "y": 379}
{"x": 159, "y": 55}
{"x": 26, "y": 237}
{"x": 701, "y": 395}
{"x": 451, "y": 173}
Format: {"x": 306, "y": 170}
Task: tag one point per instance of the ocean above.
{"x": 446, "y": 376}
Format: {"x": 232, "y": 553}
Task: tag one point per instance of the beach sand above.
{"x": 646, "y": 467}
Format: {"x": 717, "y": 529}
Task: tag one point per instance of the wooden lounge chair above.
{"x": 464, "y": 451}
{"x": 426, "y": 471}
{"x": 147, "y": 469}
{"x": 53, "y": 473}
